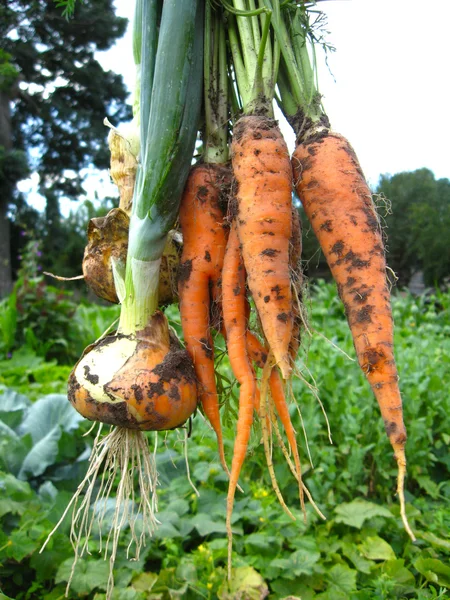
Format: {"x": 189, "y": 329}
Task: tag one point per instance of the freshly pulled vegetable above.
{"x": 107, "y": 246}
{"x": 140, "y": 381}
{"x": 106, "y": 253}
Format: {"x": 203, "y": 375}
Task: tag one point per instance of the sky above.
{"x": 386, "y": 87}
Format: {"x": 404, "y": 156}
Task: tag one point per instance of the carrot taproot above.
{"x": 338, "y": 204}
{"x": 295, "y": 253}
{"x": 263, "y": 179}
{"x": 204, "y": 242}
{"x": 235, "y": 323}
{"x": 259, "y": 354}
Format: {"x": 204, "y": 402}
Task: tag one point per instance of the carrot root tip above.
{"x": 399, "y": 451}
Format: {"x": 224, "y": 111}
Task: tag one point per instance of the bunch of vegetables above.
{"x": 239, "y": 272}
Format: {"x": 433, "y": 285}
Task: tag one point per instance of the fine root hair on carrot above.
{"x": 399, "y": 452}
{"x": 264, "y": 411}
{"x": 186, "y": 459}
{"x": 314, "y": 390}
{"x": 286, "y": 453}
{"x": 335, "y": 346}
{"x": 301, "y": 309}
{"x": 124, "y": 453}
{"x": 391, "y": 277}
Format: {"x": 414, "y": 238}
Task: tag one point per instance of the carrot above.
{"x": 235, "y": 323}
{"x": 295, "y": 253}
{"x": 264, "y": 197}
{"x": 259, "y": 355}
{"x": 338, "y": 203}
{"x": 204, "y": 242}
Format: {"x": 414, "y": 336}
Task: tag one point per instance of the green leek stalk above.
{"x": 169, "y": 105}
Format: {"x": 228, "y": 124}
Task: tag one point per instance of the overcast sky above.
{"x": 389, "y": 91}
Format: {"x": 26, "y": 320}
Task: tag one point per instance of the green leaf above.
{"x": 42, "y": 455}
{"x": 48, "y": 413}
{"x": 375, "y": 548}
{"x": 186, "y": 571}
{"x": 12, "y": 407}
{"x": 45, "y": 421}
{"x": 396, "y": 569}
{"x": 341, "y": 580}
{"x": 13, "y": 449}
{"x": 144, "y": 582}
{"x": 89, "y": 575}
{"x": 15, "y": 495}
{"x": 434, "y": 570}
{"x": 47, "y": 492}
{"x": 245, "y": 583}
{"x": 434, "y": 540}
{"x": 430, "y": 487}
{"x": 354, "y": 555}
{"x": 356, "y": 512}
{"x": 300, "y": 562}
{"x": 292, "y": 590}
{"x": 21, "y": 545}
{"x": 206, "y": 525}
{"x": 121, "y": 594}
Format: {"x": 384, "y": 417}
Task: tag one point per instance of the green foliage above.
{"x": 8, "y": 72}
{"x": 55, "y": 121}
{"x": 416, "y": 227}
{"x": 360, "y": 552}
{"x": 40, "y": 322}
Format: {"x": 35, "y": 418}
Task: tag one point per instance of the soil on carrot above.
{"x": 184, "y": 271}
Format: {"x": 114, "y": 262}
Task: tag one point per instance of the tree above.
{"x": 416, "y": 228}
{"x": 54, "y": 96}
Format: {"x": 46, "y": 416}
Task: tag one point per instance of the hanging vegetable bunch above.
{"x": 240, "y": 255}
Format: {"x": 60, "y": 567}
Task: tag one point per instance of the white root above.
{"x": 122, "y": 453}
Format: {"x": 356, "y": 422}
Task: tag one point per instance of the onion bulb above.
{"x": 140, "y": 381}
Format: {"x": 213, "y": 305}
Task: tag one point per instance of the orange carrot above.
{"x": 259, "y": 354}
{"x": 338, "y": 203}
{"x": 204, "y": 242}
{"x": 264, "y": 197}
{"x": 235, "y": 323}
{"x": 295, "y": 253}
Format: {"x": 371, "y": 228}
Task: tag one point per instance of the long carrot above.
{"x": 235, "y": 323}
{"x": 204, "y": 242}
{"x": 338, "y": 203}
{"x": 264, "y": 197}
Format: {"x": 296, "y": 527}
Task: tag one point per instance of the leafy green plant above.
{"x": 32, "y": 375}
{"x": 360, "y": 552}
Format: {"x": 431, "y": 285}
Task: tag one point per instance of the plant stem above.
{"x": 215, "y": 89}
{"x": 251, "y": 47}
{"x": 297, "y": 80}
